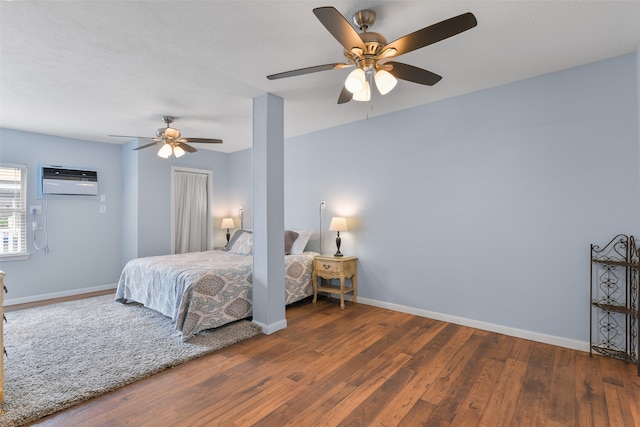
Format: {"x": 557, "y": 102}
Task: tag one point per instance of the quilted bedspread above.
{"x": 203, "y": 290}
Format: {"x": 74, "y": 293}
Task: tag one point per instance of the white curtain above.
{"x": 191, "y": 204}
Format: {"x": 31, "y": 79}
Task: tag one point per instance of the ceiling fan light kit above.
{"x": 167, "y": 150}
{"x": 358, "y": 83}
{"x": 171, "y": 140}
{"x": 370, "y": 53}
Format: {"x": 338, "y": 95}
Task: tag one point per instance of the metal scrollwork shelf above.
{"x": 615, "y": 299}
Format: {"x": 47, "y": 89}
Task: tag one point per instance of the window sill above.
{"x": 20, "y": 257}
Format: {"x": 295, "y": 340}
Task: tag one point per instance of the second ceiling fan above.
{"x": 370, "y": 53}
{"x": 171, "y": 140}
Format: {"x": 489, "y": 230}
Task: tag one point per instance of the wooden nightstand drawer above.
{"x": 328, "y": 266}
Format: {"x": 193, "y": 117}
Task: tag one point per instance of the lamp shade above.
{"x": 227, "y": 223}
{"x": 338, "y": 224}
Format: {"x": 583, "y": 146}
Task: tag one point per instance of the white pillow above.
{"x": 244, "y": 245}
{"x": 301, "y": 242}
{"x": 239, "y": 232}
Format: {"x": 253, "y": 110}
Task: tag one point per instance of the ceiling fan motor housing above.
{"x": 373, "y": 42}
{"x": 168, "y": 133}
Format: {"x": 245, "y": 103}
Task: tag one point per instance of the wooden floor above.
{"x": 366, "y": 366}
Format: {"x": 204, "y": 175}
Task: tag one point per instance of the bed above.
{"x": 204, "y": 290}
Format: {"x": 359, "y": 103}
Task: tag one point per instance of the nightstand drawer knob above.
{"x": 326, "y": 266}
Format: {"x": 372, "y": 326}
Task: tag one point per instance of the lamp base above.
{"x": 338, "y": 241}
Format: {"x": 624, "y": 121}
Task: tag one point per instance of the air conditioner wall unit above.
{"x": 61, "y": 180}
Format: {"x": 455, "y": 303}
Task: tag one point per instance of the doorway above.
{"x": 191, "y": 210}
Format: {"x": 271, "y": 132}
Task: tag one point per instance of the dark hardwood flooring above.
{"x": 366, "y": 366}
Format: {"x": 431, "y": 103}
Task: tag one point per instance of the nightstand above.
{"x": 329, "y": 267}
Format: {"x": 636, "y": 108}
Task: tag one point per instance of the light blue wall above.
{"x": 148, "y": 195}
{"x": 129, "y": 201}
{"x": 218, "y": 163}
{"x": 482, "y": 206}
{"x": 240, "y": 186}
{"x": 83, "y": 252}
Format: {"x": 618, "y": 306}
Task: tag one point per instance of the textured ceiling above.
{"x": 93, "y": 68}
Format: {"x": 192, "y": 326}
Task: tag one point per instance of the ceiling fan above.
{"x": 370, "y": 53}
{"x": 171, "y": 140}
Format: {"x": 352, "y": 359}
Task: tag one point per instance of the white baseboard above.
{"x": 42, "y": 297}
{"x": 491, "y": 327}
{"x": 273, "y": 327}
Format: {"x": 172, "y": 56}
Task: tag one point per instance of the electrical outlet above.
{"x": 323, "y": 205}
{"x": 36, "y": 210}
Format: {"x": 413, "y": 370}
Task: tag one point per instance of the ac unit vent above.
{"x": 68, "y": 181}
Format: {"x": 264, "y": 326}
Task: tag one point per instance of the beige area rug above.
{"x": 63, "y": 354}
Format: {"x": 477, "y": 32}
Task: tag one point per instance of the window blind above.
{"x": 13, "y": 210}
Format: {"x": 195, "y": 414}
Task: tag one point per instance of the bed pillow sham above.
{"x": 234, "y": 237}
{"x": 238, "y": 242}
{"x": 243, "y": 244}
{"x": 289, "y": 238}
{"x": 301, "y": 242}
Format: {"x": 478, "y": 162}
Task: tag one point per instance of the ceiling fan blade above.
{"x": 345, "y": 96}
{"x": 130, "y": 136}
{"x": 186, "y": 147}
{"x": 433, "y": 33}
{"x": 146, "y": 145}
{"x": 200, "y": 140}
{"x": 413, "y": 74}
{"x": 307, "y": 70}
{"x": 339, "y": 27}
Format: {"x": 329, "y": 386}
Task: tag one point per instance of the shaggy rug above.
{"x": 62, "y": 354}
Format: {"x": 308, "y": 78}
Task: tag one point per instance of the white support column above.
{"x": 268, "y": 213}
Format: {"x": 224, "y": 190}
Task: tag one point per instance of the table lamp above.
{"x": 227, "y": 223}
{"x": 338, "y": 224}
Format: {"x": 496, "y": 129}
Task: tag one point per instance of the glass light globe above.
{"x": 385, "y": 81}
{"x": 165, "y": 151}
{"x": 364, "y": 94}
{"x": 178, "y": 151}
{"x": 355, "y": 81}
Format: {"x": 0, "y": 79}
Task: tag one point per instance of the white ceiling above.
{"x": 87, "y": 69}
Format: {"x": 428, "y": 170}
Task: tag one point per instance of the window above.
{"x": 13, "y": 210}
